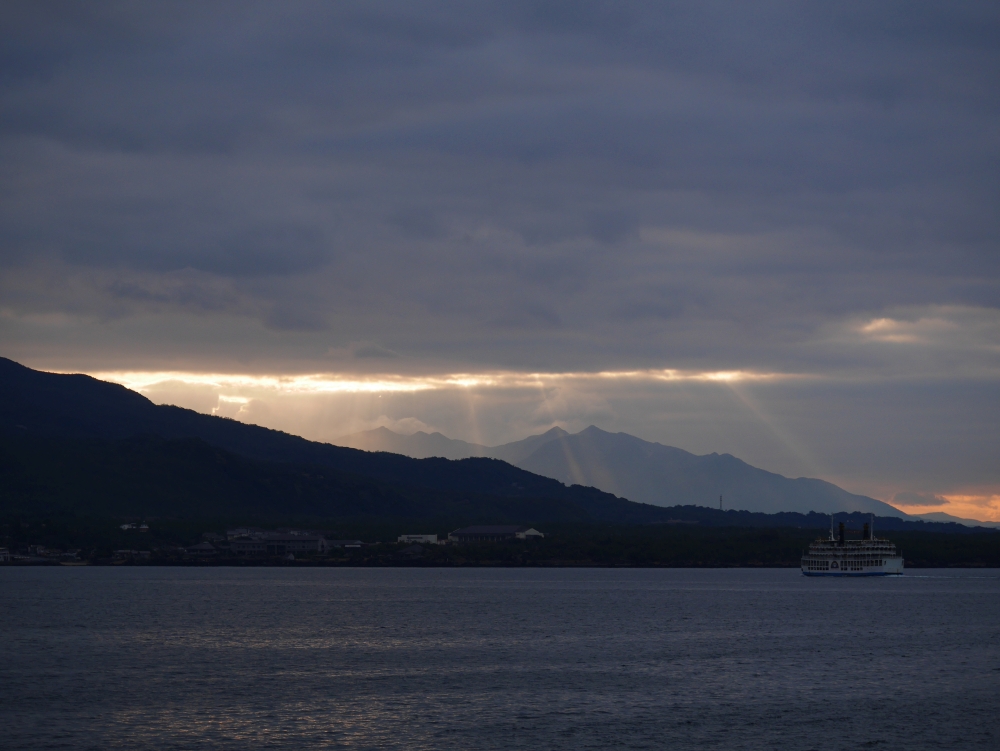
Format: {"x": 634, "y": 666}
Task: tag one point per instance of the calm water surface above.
{"x": 216, "y": 658}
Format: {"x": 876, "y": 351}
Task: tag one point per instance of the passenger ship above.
{"x": 865, "y": 557}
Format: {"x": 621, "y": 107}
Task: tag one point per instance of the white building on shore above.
{"x": 495, "y": 533}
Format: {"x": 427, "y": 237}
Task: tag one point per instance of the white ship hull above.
{"x": 889, "y": 568}
{"x": 868, "y": 556}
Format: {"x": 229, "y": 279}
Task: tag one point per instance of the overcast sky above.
{"x": 773, "y": 227}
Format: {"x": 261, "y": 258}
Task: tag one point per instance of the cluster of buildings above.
{"x": 250, "y": 541}
{"x": 481, "y": 533}
{"x": 494, "y": 533}
{"x": 39, "y": 554}
{"x": 243, "y": 542}
{"x": 132, "y": 555}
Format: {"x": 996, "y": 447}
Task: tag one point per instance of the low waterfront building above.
{"x": 202, "y": 549}
{"x": 495, "y": 533}
{"x": 427, "y": 539}
{"x": 279, "y": 544}
{"x": 248, "y": 546}
{"x": 252, "y": 532}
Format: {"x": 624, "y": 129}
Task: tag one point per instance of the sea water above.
{"x": 298, "y": 658}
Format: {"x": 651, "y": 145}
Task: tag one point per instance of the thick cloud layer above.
{"x": 805, "y": 188}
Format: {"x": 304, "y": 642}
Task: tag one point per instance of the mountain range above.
{"x": 639, "y": 470}
{"x": 73, "y": 444}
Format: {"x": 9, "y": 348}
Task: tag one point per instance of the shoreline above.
{"x": 471, "y": 564}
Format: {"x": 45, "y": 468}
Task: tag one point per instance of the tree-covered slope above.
{"x": 188, "y": 478}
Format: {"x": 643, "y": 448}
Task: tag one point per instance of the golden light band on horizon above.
{"x": 326, "y": 383}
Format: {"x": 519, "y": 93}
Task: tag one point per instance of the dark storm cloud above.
{"x": 546, "y": 185}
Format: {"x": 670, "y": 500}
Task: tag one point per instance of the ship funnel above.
{"x": 841, "y": 533}
{"x": 864, "y": 535}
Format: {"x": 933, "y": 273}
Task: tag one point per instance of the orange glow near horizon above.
{"x": 984, "y": 507}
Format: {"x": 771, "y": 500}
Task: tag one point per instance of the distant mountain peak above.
{"x": 649, "y": 472}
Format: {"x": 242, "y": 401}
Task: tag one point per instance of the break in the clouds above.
{"x": 370, "y": 190}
